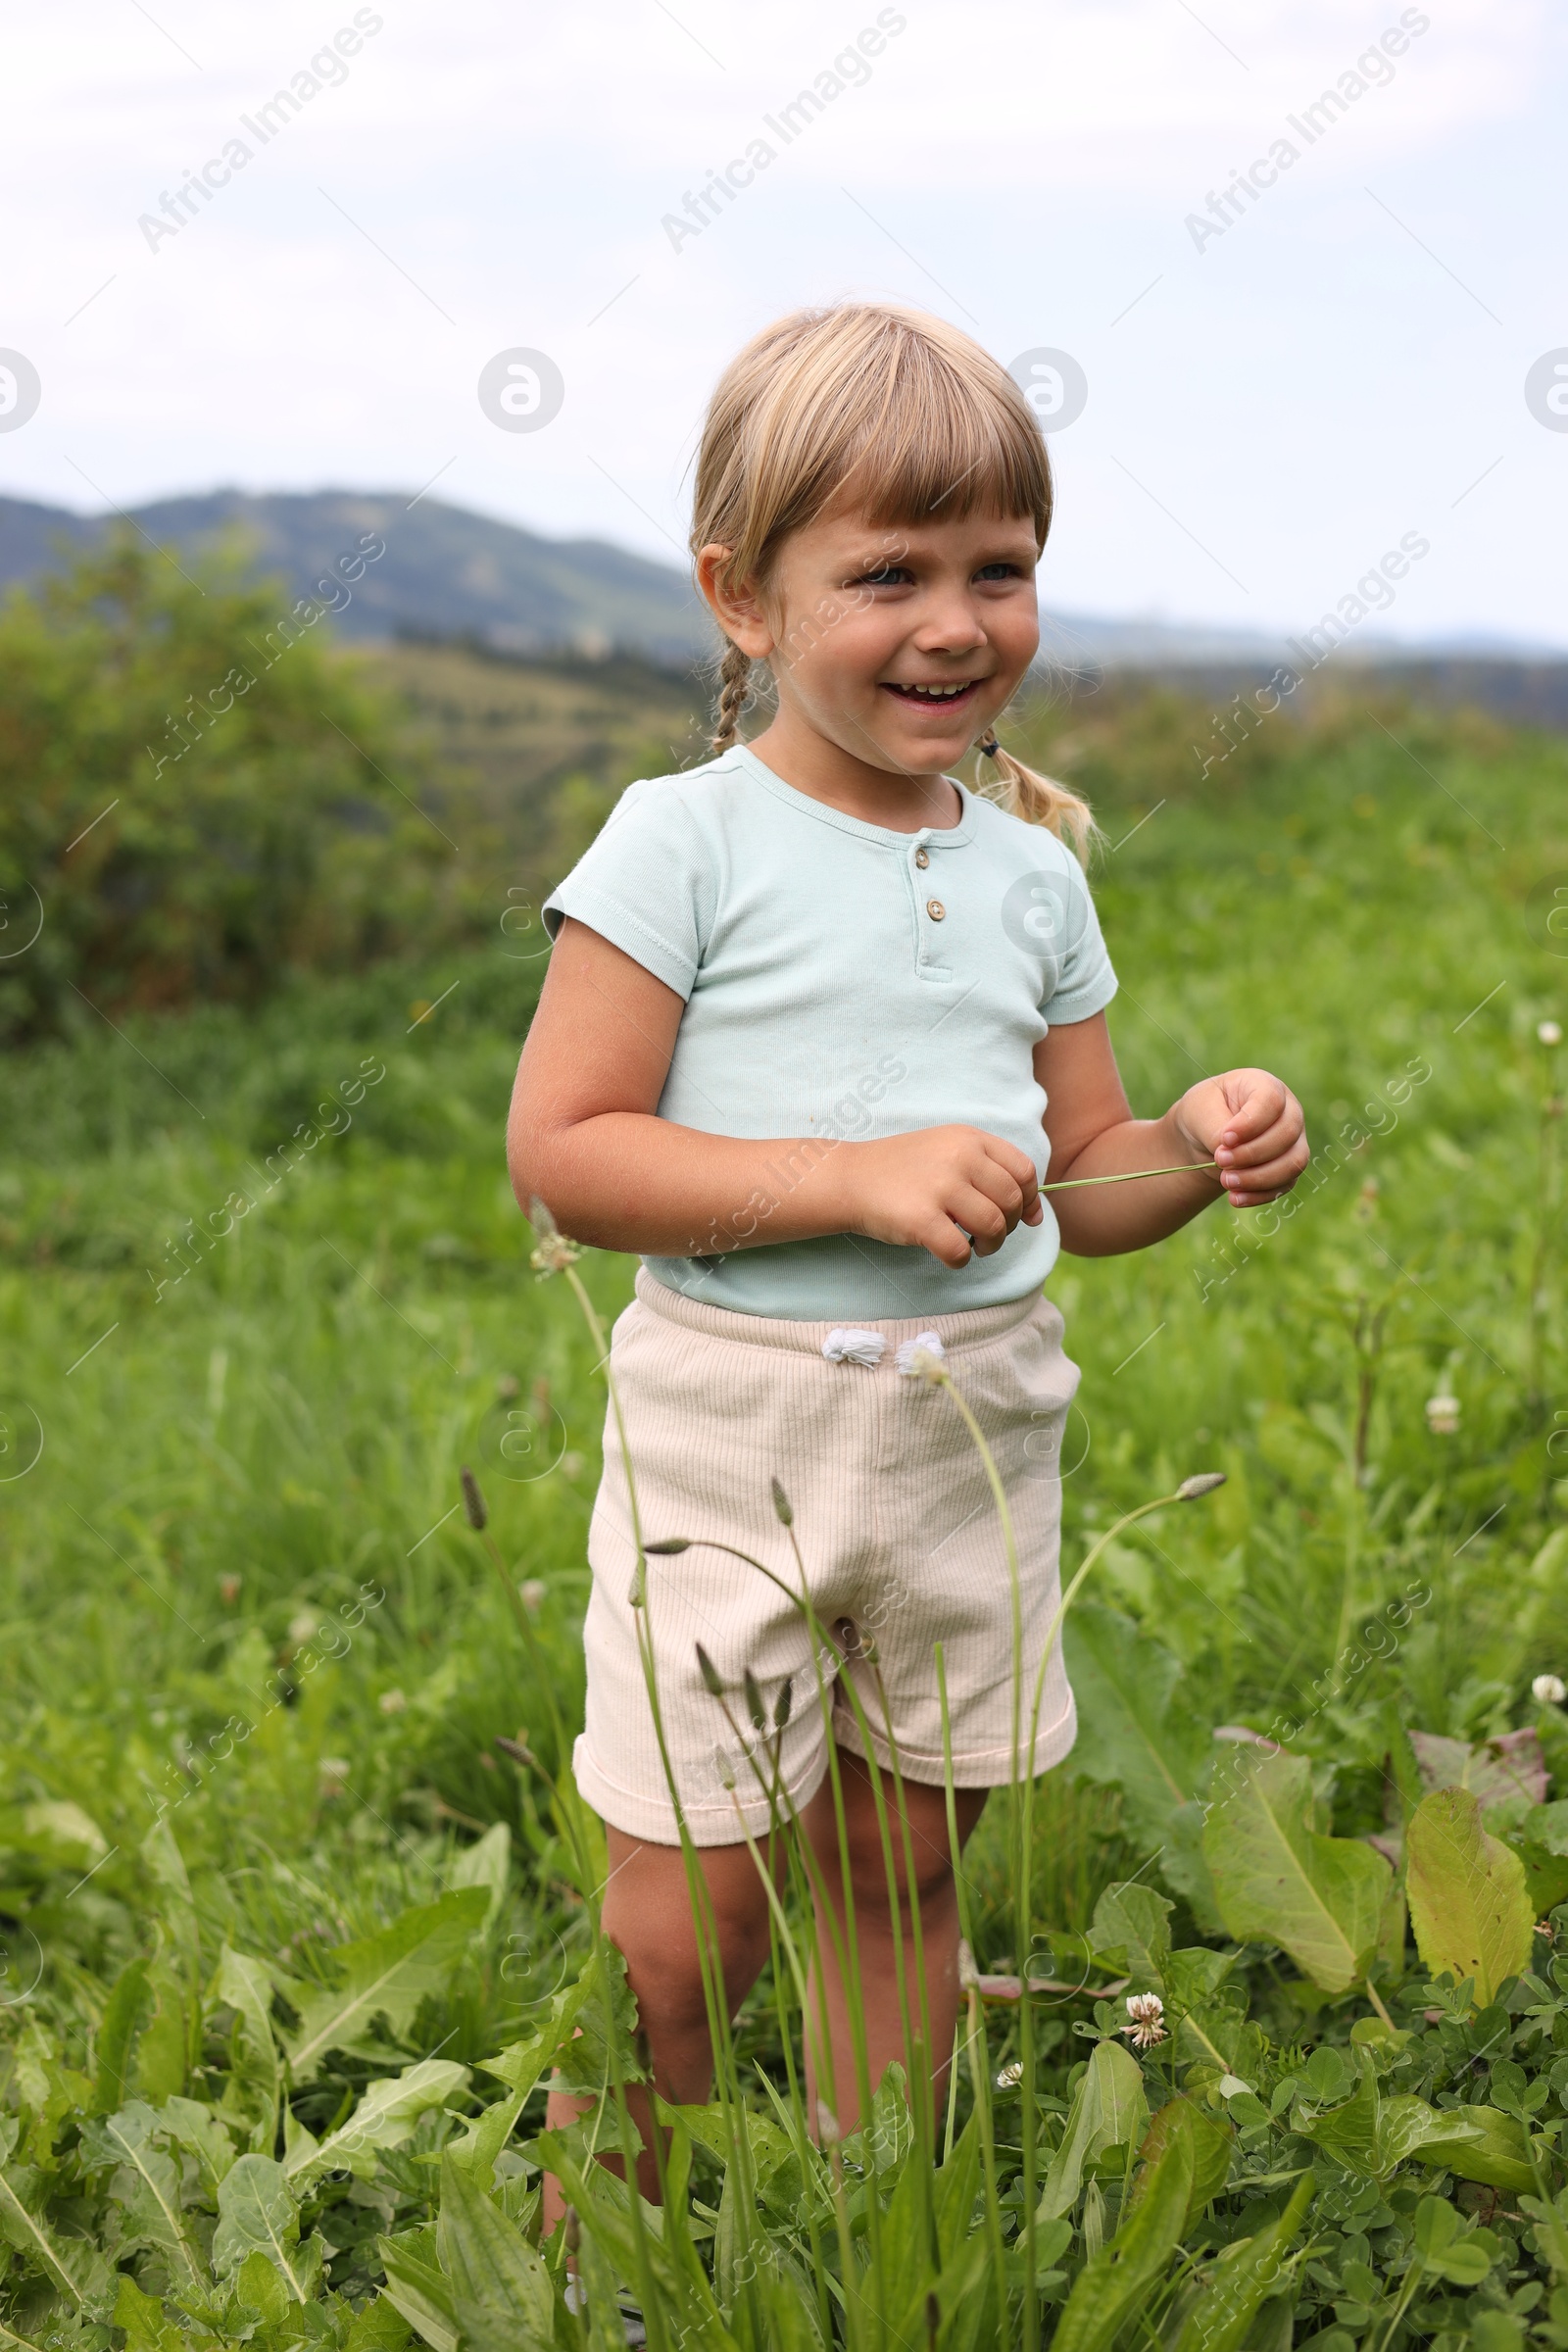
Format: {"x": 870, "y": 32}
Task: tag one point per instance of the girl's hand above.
{"x": 1253, "y": 1125}
{"x": 955, "y": 1191}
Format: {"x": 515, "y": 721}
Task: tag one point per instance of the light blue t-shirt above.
{"x": 843, "y": 982}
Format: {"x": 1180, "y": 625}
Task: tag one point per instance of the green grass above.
{"x": 275, "y": 1438}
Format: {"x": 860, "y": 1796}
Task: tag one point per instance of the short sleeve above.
{"x": 645, "y": 885}
{"x": 1084, "y": 981}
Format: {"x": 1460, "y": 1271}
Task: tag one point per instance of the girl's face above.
{"x": 898, "y": 644}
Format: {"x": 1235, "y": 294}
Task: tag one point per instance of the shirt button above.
{"x": 935, "y": 910}
{"x": 922, "y": 857}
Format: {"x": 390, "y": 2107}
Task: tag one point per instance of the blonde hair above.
{"x": 911, "y": 416}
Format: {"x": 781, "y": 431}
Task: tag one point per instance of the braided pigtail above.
{"x": 1040, "y": 801}
{"x": 734, "y": 693}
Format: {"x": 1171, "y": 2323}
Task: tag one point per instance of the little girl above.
{"x": 819, "y": 1021}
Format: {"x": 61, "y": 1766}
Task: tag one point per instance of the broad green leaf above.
{"x": 377, "y": 2327}
{"x": 1212, "y": 2142}
{"x": 387, "y": 1974}
{"x": 1224, "y": 2312}
{"x": 164, "y": 2043}
{"x": 384, "y": 2118}
{"x": 1127, "y": 1729}
{"x": 191, "y": 2125}
{"x": 124, "y": 2013}
{"x": 1348, "y": 2131}
{"x": 419, "y": 2288}
{"x": 1279, "y": 1880}
{"x": 1496, "y": 1773}
{"x": 1131, "y": 1931}
{"x": 1481, "y": 2143}
{"x": 146, "y": 2182}
{"x": 501, "y": 2290}
{"x": 168, "y": 1866}
{"x": 76, "y": 2270}
{"x": 142, "y": 2318}
{"x": 256, "y": 2076}
{"x": 1468, "y": 1904}
{"x": 256, "y": 2213}
{"x": 485, "y": 1864}
{"x": 1113, "y": 2283}
{"x": 258, "y": 2287}
{"x": 1110, "y": 2109}
{"x": 1407, "y": 2125}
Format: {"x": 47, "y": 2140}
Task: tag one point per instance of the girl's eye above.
{"x": 885, "y": 575}
{"x": 998, "y": 572}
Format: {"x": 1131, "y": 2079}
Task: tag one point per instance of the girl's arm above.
{"x": 1246, "y": 1119}
{"x": 583, "y": 1138}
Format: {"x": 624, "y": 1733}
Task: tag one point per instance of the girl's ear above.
{"x": 737, "y": 610}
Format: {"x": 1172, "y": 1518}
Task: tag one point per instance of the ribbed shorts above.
{"x": 900, "y": 1536}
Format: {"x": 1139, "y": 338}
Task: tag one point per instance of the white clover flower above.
{"x": 532, "y": 1593}
{"x": 335, "y": 1771}
{"x": 1146, "y": 2019}
{"x": 1443, "y": 1415}
{"x": 1011, "y": 2076}
{"x": 302, "y": 1627}
{"x": 392, "y": 1702}
{"x": 1550, "y": 1032}
{"x": 1549, "y": 1689}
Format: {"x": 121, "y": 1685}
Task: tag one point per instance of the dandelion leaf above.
{"x": 1131, "y": 1931}
{"x": 384, "y": 2118}
{"x": 145, "y": 2181}
{"x": 257, "y": 2214}
{"x": 1129, "y": 1730}
{"x": 377, "y": 2327}
{"x": 1469, "y": 1904}
{"x": 385, "y": 1975}
{"x": 485, "y": 1864}
{"x": 143, "y": 2320}
{"x": 130, "y": 2001}
{"x": 501, "y": 2293}
{"x": 1279, "y": 1880}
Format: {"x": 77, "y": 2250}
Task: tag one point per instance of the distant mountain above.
{"x": 447, "y": 572}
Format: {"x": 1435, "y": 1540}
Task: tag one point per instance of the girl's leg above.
{"x": 648, "y": 1916}
{"x": 877, "y": 1932}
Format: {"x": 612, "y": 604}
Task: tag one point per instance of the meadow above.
{"x": 289, "y": 1857}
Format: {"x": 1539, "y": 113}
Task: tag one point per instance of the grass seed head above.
{"x": 756, "y": 1706}
{"x": 1204, "y": 1482}
{"x": 477, "y": 1516}
{"x": 781, "y": 1504}
{"x": 712, "y": 1680}
{"x": 783, "y": 1703}
{"x": 668, "y": 1545}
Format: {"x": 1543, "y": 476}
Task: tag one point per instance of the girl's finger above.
{"x": 1274, "y": 1142}
{"x": 1265, "y": 1103}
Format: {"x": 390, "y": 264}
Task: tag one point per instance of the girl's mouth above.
{"x": 944, "y": 696}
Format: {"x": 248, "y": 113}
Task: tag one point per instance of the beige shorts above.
{"x": 898, "y": 1529}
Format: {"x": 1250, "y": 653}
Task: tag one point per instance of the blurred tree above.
{"x": 197, "y": 790}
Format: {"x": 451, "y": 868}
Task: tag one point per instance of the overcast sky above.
{"x": 1270, "y": 405}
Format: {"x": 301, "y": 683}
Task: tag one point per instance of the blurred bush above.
{"x": 198, "y": 790}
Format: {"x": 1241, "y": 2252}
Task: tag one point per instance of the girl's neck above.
{"x": 821, "y": 769}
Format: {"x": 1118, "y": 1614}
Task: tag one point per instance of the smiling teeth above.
{"x": 936, "y": 694}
